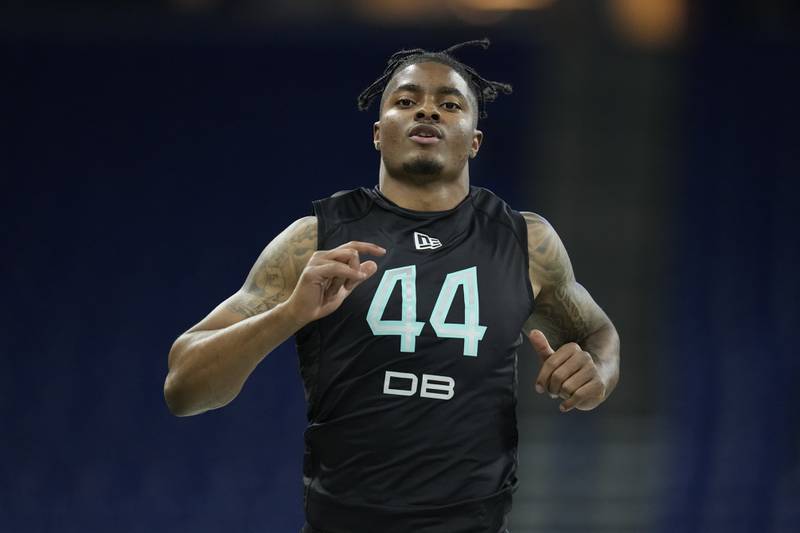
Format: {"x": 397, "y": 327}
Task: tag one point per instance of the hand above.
{"x": 328, "y": 278}
{"x": 569, "y": 373}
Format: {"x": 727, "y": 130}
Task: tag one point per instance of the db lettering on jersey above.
{"x": 405, "y": 384}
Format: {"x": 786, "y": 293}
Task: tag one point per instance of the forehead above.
{"x": 429, "y": 75}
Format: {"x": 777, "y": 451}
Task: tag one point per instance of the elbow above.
{"x": 177, "y": 394}
{"x": 187, "y": 389}
{"x": 173, "y": 395}
{"x": 183, "y": 400}
{"x": 175, "y": 398}
{"x": 180, "y": 399}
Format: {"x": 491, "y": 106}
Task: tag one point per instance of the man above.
{"x": 409, "y": 358}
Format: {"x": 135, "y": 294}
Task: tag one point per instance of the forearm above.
{"x": 209, "y": 368}
{"x": 603, "y": 345}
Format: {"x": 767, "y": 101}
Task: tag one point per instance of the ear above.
{"x": 376, "y": 135}
{"x": 477, "y": 139}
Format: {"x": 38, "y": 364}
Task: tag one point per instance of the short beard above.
{"x": 422, "y": 166}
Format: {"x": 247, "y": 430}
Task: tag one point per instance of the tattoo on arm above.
{"x": 276, "y": 271}
{"x": 564, "y": 311}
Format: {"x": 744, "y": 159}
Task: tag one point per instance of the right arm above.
{"x": 289, "y": 286}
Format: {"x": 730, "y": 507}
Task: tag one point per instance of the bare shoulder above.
{"x": 565, "y": 311}
{"x": 548, "y": 261}
{"x": 271, "y": 280}
{"x": 287, "y": 252}
{"x": 274, "y": 275}
{"x": 534, "y": 220}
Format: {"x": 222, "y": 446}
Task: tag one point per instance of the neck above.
{"x": 434, "y": 195}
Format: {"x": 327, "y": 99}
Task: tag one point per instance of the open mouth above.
{"x": 425, "y": 134}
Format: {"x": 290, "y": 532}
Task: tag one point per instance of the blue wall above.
{"x": 731, "y": 383}
{"x": 142, "y": 179}
{"x": 141, "y": 182}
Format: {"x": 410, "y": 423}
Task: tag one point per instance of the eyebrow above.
{"x": 444, "y": 89}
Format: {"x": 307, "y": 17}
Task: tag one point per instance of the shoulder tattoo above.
{"x": 548, "y": 262}
{"x": 276, "y": 271}
{"x": 564, "y": 310}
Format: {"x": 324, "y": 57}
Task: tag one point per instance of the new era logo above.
{"x": 425, "y": 242}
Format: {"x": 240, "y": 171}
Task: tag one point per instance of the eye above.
{"x": 451, "y": 106}
{"x": 404, "y": 102}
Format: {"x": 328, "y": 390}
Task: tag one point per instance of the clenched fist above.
{"x": 569, "y": 373}
{"x": 328, "y": 278}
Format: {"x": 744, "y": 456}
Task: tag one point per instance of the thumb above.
{"x": 540, "y": 344}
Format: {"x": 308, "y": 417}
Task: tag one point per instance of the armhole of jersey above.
{"x": 308, "y": 342}
{"x": 322, "y": 227}
{"x": 341, "y": 208}
{"x": 514, "y": 221}
{"x": 526, "y": 253}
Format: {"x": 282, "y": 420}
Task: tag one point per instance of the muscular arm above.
{"x": 565, "y": 312}
{"x": 209, "y": 363}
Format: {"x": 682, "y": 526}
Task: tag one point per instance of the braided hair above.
{"x": 485, "y": 90}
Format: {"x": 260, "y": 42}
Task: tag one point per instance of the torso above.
{"x": 411, "y": 383}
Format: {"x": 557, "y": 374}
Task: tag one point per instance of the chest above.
{"x": 461, "y": 288}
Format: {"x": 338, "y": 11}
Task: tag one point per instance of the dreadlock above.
{"x": 485, "y": 90}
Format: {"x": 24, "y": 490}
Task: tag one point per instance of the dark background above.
{"x": 151, "y": 150}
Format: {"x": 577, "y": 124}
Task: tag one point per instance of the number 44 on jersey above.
{"x": 408, "y": 329}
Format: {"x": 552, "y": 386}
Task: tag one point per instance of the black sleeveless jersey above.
{"x": 412, "y": 383}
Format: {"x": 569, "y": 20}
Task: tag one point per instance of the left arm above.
{"x": 584, "y": 367}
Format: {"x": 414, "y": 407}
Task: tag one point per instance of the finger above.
{"x": 552, "y": 362}
{"x": 540, "y": 344}
{"x": 586, "y": 391}
{"x": 565, "y": 371}
{"x": 329, "y": 270}
{"x": 352, "y": 259}
{"x": 354, "y": 263}
{"x": 576, "y": 381}
{"x": 368, "y": 268}
{"x": 364, "y": 247}
{"x": 343, "y": 255}
{"x": 333, "y": 288}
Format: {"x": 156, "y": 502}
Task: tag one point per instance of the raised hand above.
{"x": 569, "y": 373}
{"x": 329, "y": 277}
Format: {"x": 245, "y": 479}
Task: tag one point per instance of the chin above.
{"x": 423, "y": 167}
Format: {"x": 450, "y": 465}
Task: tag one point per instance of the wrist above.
{"x": 293, "y": 318}
{"x": 608, "y": 376}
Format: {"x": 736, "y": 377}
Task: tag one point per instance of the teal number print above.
{"x": 408, "y": 329}
{"x": 471, "y": 330}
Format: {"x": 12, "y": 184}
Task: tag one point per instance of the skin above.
{"x": 584, "y": 368}
{"x": 453, "y": 112}
{"x": 292, "y": 283}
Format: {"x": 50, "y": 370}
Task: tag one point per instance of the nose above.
{"x": 427, "y": 110}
